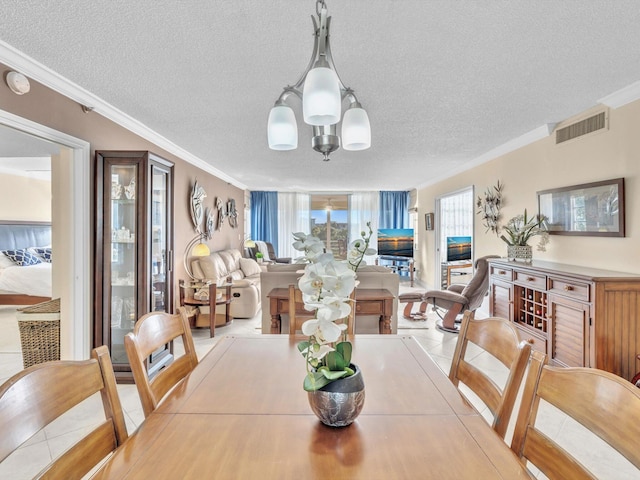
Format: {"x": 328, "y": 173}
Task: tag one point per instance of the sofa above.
{"x": 369, "y": 276}
{"x": 244, "y": 274}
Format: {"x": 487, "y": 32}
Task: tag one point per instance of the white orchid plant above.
{"x": 326, "y": 287}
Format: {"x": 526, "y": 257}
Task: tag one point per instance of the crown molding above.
{"x": 26, "y": 65}
{"x": 534, "y": 135}
{"x": 625, "y": 95}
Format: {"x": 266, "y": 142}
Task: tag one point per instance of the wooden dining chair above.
{"x": 150, "y": 333}
{"x": 500, "y": 338}
{"x": 35, "y": 397}
{"x": 298, "y": 315}
{"x": 607, "y": 405}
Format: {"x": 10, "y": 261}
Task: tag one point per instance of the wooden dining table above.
{"x": 242, "y": 413}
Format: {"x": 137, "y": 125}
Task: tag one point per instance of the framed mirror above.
{"x": 590, "y": 209}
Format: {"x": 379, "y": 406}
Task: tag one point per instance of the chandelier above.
{"x": 322, "y": 93}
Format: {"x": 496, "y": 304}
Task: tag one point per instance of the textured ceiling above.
{"x": 443, "y": 82}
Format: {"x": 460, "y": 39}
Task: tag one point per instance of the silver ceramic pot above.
{"x": 340, "y": 402}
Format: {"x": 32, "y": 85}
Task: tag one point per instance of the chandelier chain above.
{"x": 319, "y": 5}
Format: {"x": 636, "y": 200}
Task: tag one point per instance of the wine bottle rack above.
{"x": 531, "y": 308}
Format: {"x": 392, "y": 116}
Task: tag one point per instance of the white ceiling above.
{"x": 444, "y": 82}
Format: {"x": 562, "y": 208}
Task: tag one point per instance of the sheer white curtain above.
{"x": 456, "y": 217}
{"x": 294, "y": 215}
{"x": 364, "y": 207}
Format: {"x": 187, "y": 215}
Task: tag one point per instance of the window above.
{"x": 329, "y": 222}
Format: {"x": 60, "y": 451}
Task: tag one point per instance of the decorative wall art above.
{"x": 232, "y": 213}
{"x": 209, "y": 224}
{"x": 589, "y": 209}
{"x": 489, "y": 207}
{"x": 221, "y": 212}
{"x": 197, "y": 210}
{"x": 428, "y": 220}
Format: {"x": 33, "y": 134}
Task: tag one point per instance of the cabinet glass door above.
{"x": 124, "y": 261}
{"x": 159, "y": 240}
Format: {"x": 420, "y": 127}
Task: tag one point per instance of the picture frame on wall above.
{"x": 428, "y": 220}
{"x": 591, "y": 209}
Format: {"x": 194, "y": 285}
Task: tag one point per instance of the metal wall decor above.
{"x": 590, "y": 209}
{"x": 209, "y": 224}
{"x": 232, "y": 213}
{"x": 489, "y": 207}
{"x": 221, "y": 212}
{"x": 197, "y": 210}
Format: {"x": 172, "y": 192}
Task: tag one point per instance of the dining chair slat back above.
{"x": 150, "y": 333}
{"x": 297, "y": 313}
{"x": 605, "y": 404}
{"x": 38, "y": 395}
{"x": 500, "y": 338}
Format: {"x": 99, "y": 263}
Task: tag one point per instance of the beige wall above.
{"x": 46, "y": 107}
{"x": 543, "y": 165}
{"x": 25, "y": 199}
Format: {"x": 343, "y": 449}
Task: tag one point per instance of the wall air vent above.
{"x": 583, "y": 127}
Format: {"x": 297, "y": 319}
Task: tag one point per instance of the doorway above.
{"x": 71, "y": 237}
{"x": 454, "y": 237}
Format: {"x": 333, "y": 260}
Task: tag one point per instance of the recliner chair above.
{"x": 456, "y": 299}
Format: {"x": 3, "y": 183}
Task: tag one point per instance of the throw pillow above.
{"x": 249, "y": 267}
{"x": 22, "y": 257}
{"x": 43, "y": 252}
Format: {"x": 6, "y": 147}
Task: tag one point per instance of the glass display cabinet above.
{"x": 134, "y": 249}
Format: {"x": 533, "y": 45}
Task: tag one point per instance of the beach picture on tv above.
{"x": 395, "y": 242}
{"x": 458, "y": 249}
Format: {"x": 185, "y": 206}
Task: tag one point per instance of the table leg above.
{"x": 212, "y": 309}
{"x": 385, "y": 324}
{"x": 275, "y": 323}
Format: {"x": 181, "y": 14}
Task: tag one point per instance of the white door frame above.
{"x": 75, "y": 334}
{"x": 438, "y": 254}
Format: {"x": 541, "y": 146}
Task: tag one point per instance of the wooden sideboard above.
{"x": 578, "y": 316}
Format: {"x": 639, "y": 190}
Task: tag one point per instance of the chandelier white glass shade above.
{"x": 282, "y": 128}
{"x": 322, "y": 93}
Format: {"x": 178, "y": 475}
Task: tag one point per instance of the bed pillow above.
{"x": 22, "y": 257}
{"x": 43, "y": 252}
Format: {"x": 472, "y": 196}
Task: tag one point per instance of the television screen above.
{"x": 395, "y": 242}
{"x": 458, "y": 248}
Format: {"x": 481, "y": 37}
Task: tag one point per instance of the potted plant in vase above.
{"x": 519, "y": 230}
{"x": 259, "y": 257}
{"x": 334, "y": 384}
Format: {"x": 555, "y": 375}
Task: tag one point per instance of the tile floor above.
{"x": 29, "y": 459}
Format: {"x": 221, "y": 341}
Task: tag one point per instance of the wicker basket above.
{"x": 40, "y": 332}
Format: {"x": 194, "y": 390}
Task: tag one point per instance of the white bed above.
{"x": 31, "y": 280}
{"x": 24, "y": 285}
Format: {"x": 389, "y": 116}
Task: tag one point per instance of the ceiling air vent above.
{"x": 583, "y": 127}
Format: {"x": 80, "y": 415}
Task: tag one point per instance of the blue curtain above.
{"x": 394, "y": 210}
{"x": 264, "y": 217}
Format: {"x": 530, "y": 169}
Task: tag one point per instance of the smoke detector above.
{"x": 18, "y": 83}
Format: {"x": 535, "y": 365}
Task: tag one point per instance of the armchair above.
{"x": 266, "y": 248}
{"x": 458, "y": 298}
{"x": 455, "y": 299}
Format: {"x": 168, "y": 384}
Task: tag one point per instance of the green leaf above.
{"x": 345, "y": 349}
{"x": 303, "y": 348}
{"x": 335, "y": 361}
{"x": 314, "y": 381}
{"x": 334, "y": 375}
